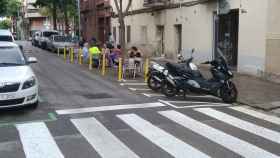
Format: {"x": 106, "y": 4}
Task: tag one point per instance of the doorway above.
{"x": 178, "y": 38}
{"x": 226, "y": 36}
{"x": 160, "y": 40}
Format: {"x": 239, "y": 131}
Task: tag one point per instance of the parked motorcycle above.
{"x": 191, "y": 80}
{"x": 156, "y": 76}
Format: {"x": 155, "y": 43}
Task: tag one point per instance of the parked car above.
{"x": 44, "y": 37}
{"x": 6, "y": 35}
{"x": 18, "y": 83}
{"x": 35, "y": 38}
{"x": 58, "y": 41}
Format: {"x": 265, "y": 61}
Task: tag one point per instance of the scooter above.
{"x": 155, "y": 73}
{"x": 220, "y": 85}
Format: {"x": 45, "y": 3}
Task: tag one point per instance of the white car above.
{"x": 18, "y": 83}
{"x": 6, "y": 35}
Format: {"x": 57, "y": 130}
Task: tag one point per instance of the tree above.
{"x": 121, "y": 15}
{"x": 51, "y": 5}
{"x": 5, "y": 24}
{"x": 9, "y": 7}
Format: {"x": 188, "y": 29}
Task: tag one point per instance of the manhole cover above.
{"x": 97, "y": 96}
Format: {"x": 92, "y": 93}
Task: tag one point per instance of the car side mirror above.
{"x": 32, "y": 60}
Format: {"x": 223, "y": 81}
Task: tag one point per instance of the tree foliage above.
{"x": 9, "y": 7}
{"x": 5, "y": 24}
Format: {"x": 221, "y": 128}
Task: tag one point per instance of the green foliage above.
{"x": 5, "y": 24}
{"x": 9, "y": 7}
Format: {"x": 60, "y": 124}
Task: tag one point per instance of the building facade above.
{"x": 33, "y": 20}
{"x": 95, "y": 19}
{"x": 247, "y": 31}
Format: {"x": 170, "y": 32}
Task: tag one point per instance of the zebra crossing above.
{"x": 38, "y": 141}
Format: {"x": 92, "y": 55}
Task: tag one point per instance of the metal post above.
{"x": 146, "y": 70}
{"x": 103, "y": 63}
{"x": 120, "y": 76}
{"x": 90, "y": 61}
{"x": 58, "y": 53}
{"x": 80, "y": 56}
{"x": 65, "y": 55}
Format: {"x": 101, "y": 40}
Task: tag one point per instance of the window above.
{"x": 128, "y": 33}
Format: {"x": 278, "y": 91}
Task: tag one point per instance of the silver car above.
{"x": 58, "y": 41}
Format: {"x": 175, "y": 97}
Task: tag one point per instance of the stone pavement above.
{"x": 253, "y": 91}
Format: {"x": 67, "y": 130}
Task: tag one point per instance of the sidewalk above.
{"x": 253, "y": 91}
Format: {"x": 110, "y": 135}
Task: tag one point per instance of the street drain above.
{"x": 97, "y": 96}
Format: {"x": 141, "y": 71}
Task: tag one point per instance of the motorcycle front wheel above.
{"x": 229, "y": 93}
{"x": 153, "y": 84}
{"x": 168, "y": 89}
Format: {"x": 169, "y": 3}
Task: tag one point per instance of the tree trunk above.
{"x": 54, "y": 14}
{"x": 66, "y": 20}
{"x": 122, "y": 36}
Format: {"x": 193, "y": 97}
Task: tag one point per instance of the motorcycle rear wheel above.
{"x": 153, "y": 84}
{"x": 168, "y": 89}
{"x": 229, "y": 93}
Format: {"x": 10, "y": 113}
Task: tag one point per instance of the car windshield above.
{"x": 6, "y": 38}
{"x": 59, "y": 38}
{"x": 49, "y": 33}
{"x": 11, "y": 56}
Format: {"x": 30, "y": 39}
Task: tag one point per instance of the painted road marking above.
{"x": 139, "y": 89}
{"x": 194, "y": 106}
{"x": 51, "y": 117}
{"x": 164, "y": 140}
{"x": 234, "y": 144}
{"x": 110, "y": 108}
{"x": 102, "y": 140}
{"x": 256, "y": 114}
{"x": 133, "y": 84}
{"x": 244, "y": 125}
{"x": 37, "y": 141}
{"x": 152, "y": 95}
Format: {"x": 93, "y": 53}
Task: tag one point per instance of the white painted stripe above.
{"x": 37, "y": 141}
{"x": 109, "y": 108}
{"x": 102, "y": 140}
{"x": 256, "y": 114}
{"x": 133, "y": 84}
{"x": 139, "y": 89}
{"x": 152, "y": 95}
{"x": 244, "y": 125}
{"x": 234, "y": 144}
{"x": 193, "y": 102}
{"x": 193, "y": 106}
{"x": 164, "y": 140}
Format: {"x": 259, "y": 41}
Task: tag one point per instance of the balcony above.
{"x": 154, "y": 3}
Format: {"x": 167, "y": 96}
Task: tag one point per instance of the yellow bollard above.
{"x": 58, "y": 52}
{"x": 72, "y": 55}
{"x": 90, "y": 61}
{"x": 120, "y": 68}
{"x": 65, "y": 55}
{"x": 80, "y": 56}
{"x": 146, "y": 70}
{"x": 103, "y": 64}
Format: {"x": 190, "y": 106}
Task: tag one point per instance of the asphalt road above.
{"x": 84, "y": 115}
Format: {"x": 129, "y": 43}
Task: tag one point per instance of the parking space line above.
{"x": 194, "y": 106}
{"x": 152, "y": 95}
{"x": 110, "y": 108}
{"x": 133, "y": 84}
{"x": 139, "y": 89}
